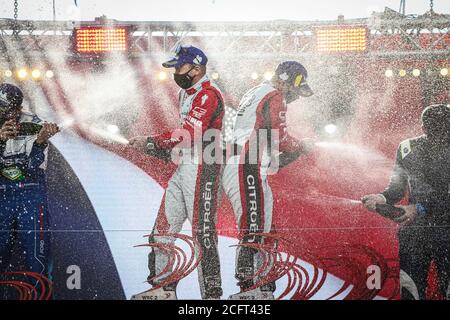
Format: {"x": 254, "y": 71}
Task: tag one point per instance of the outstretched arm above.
{"x": 206, "y": 113}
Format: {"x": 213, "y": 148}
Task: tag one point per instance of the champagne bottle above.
{"x": 28, "y": 128}
{"x": 388, "y": 211}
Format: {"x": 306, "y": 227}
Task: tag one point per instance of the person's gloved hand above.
{"x": 48, "y": 130}
{"x": 148, "y": 146}
{"x": 307, "y": 145}
{"x": 370, "y": 201}
{"x": 409, "y": 216}
{"x": 154, "y": 150}
{"x": 8, "y": 130}
{"x": 139, "y": 143}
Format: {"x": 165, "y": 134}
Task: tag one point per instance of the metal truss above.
{"x": 391, "y": 35}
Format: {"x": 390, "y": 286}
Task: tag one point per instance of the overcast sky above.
{"x": 210, "y": 10}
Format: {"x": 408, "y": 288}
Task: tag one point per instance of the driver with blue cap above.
{"x": 190, "y": 65}
{"x": 192, "y": 190}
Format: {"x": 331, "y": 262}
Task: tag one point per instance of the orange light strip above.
{"x": 90, "y": 40}
{"x": 341, "y": 39}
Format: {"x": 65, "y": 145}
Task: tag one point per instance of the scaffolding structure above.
{"x": 391, "y": 34}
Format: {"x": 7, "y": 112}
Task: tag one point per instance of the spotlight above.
{"x": 162, "y": 75}
{"x": 215, "y": 75}
{"x": 416, "y": 72}
{"x": 36, "y": 74}
{"x": 402, "y": 72}
{"x": 331, "y": 129}
{"x": 112, "y": 128}
{"x": 254, "y": 75}
{"x": 268, "y": 75}
{"x": 389, "y": 73}
{"x": 444, "y": 72}
{"x": 8, "y": 73}
{"x": 49, "y": 74}
{"x": 22, "y": 74}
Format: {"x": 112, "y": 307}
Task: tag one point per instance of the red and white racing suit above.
{"x": 192, "y": 191}
{"x": 260, "y": 125}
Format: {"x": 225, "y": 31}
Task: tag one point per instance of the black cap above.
{"x": 11, "y": 97}
{"x": 436, "y": 120}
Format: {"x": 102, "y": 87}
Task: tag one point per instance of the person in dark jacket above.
{"x": 24, "y": 222}
{"x": 422, "y": 169}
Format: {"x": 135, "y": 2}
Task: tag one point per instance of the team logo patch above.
{"x": 13, "y": 173}
{"x": 194, "y": 121}
{"x": 284, "y": 76}
{"x": 405, "y": 148}
{"x": 198, "y": 112}
{"x": 198, "y": 60}
{"x": 298, "y": 80}
{"x": 3, "y": 97}
{"x": 3, "y": 101}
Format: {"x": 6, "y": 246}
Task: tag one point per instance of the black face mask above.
{"x": 295, "y": 93}
{"x": 291, "y": 96}
{"x": 183, "y": 80}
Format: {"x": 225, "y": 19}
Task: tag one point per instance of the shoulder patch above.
{"x": 207, "y": 93}
{"x": 405, "y": 148}
{"x": 27, "y": 116}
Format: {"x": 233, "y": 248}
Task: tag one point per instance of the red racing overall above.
{"x": 259, "y": 129}
{"x": 192, "y": 191}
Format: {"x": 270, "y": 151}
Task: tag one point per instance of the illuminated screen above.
{"x": 340, "y": 39}
{"x": 97, "y": 40}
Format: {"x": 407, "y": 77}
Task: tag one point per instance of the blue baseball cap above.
{"x": 295, "y": 74}
{"x": 186, "y": 54}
